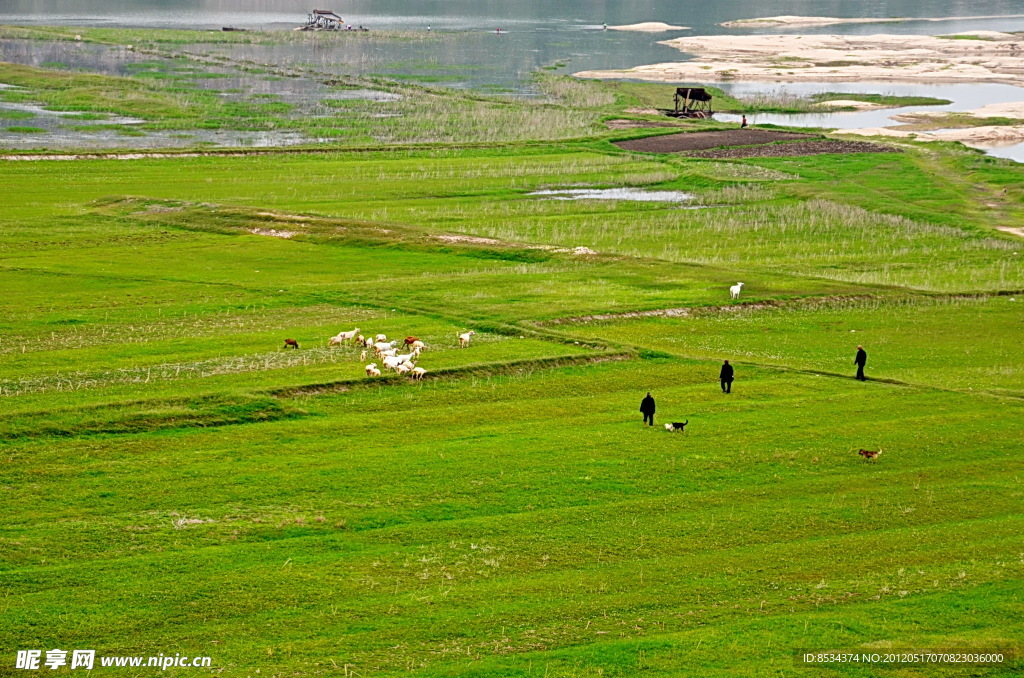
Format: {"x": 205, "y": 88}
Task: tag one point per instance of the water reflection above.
{"x": 510, "y": 15}
{"x": 633, "y": 194}
{"x": 963, "y": 98}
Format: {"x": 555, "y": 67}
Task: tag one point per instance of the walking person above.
{"x": 860, "y": 361}
{"x": 726, "y": 376}
{"x": 647, "y": 408}
{"x": 743, "y": 125}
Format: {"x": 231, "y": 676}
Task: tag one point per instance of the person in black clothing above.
{"x": 726, "y": 375}
{"x": 743, "y": 125}
{"x": 860, "y": 361}
{"x": 647, "y": 407}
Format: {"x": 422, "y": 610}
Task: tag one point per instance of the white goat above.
{"x": 464, "y": 338}
{"x": 401, "y": 369}
{"x": 417, "y": 345}
{"x": 368, "y": 342}
{"x": 362, "y": 356}
{"x": 381, "y": 337}
{"x": 391, "y": 362}
{"x": 342, "y": 337}
{"x": 372, "y": 371}
{"x": 735, "y": 290}
{"x": 417, "y": 372}
{"x": 380, "y": 348}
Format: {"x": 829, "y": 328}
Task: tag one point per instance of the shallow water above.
{"x": 567, "y": 33}
{"x": 633, "y": 194}
{"x": 62, "y": 138}
{"x": 964, "y": 97}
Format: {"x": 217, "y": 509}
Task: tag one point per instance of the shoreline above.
{"x": 649, "y": 27}
{"x": 978, "y": 137}
{"x": 798, "y": 21}
{"x": 994, "y": 58}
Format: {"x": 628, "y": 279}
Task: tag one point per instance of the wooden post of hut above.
{"x": 692, "y": 102}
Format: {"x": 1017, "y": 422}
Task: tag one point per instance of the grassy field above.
{"x": 175, "y": 481}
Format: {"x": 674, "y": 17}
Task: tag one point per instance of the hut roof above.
{"x": 693, "y": 93}
{"x": 327, "y": 13}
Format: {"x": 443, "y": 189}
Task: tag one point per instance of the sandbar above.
{"x": 649, "y": 27}
{"x": 851, "y": 103}
{"x": 1009, "y": 109}
{"x": 798, "y": 21}
{"x": 988, "y": 136}
{"x": 791, "y": 20}
{"x": 835, "y": 58}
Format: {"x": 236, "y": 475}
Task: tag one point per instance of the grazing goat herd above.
{"x": 386, "y": 351}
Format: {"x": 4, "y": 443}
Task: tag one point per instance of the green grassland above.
{"x": 174, "y": 480}
{"x": 812, "y": 336}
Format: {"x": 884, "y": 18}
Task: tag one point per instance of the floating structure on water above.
{"x": 322, "y": 20}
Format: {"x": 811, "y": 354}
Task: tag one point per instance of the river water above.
{"x": 511, "y": 15}
{"x": 536, "y": 34}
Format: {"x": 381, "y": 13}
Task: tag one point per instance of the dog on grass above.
{"x": 870, "y": 455}
{"x": 677, "y": 426}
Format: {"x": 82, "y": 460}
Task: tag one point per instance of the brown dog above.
{"x": 870, "y": 455}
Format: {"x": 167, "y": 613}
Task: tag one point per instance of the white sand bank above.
{"x": 791, "y": 20}
{"x": 797, "y": 21}
{"x": 850, "y": 103}
{"x": 649, "y": 27}
{"x": 825, "y": 58}
{"x": 988, "y": 136}
{"x": 1009, "y": 109}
